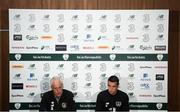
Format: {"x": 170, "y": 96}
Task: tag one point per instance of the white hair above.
{"x": 56, "y": 78}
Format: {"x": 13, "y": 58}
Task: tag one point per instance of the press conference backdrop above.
{"x": 84, "y": 48}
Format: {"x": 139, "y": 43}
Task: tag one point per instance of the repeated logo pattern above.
{"x": 84, "y": 48}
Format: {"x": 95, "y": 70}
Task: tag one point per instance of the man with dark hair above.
{"x": 112, "y": 99}
{"x": 58, "y": 99}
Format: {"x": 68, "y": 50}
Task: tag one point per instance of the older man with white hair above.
{"x": 58, "y": 98}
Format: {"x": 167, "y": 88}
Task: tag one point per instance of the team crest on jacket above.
{"x": 118, "y": 103}
{"x": 64, "y": 105}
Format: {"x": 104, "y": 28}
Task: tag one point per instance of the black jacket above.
{"x": 108, "y": 102}
{"x": 49, "y": 102}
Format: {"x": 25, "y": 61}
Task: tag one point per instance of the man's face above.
{"x": 112, "y": 87}
{"x": 57, "y": 88}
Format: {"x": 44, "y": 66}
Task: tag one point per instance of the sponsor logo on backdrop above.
{"x": 88, "y": 76}
{"x": 117, "y": 38}
{"x": 103, "y": 67}
{"x": 132, "y": 38}
{"x": 117, "y": 18}
{"x": 159, "y": 86}
{"x": 18, "y": 56}
{"x": 145, "y": 86}
{"x": 31, "y": 27}
{"x": 145, "y": 77}
{"x": 31, "y": 95}
{"x": 32, "y": 18}
{"x": 60, "y": 47}
{"x": 60, "y": 37}
{"x": 88, "y": 95}
{"x": 74, "y": 37}
{"x": 32, "y": 37}
{"x": 17, "y": 17}
{"x": 17, "y": 47}
{"x": 46, "y": 17}
{"x": 17, "y": 95}
{"x": 131, "y": 47}
{"x": 160, "y": 57}
{"x": 117, "y": 66}
{"x": 103, "y": 17}
{"x": 17, "y": 66}
{"x": 31, "y": 86}
{"x": 102, "y": 37}
{"x": 145, "y": 67}
{"x": 103, "y": 28}
{"x": 88, "y": 66}
{"x": 103, "y": 76}
{"x": 46, "y": 28}
{"x": 46, "y": 67}
{"x": 131, "y": 67}
{"x": 103, "y": 47}
{"x": 32, "y": 47}
{"x": 130, "y": 86}
{"x": 65, "y": 56}
{"x": 46, "y": 47}
{"x": 33, "y": 106}
{"x": 159, "y": 77}
{"x": 60, "y": 18}
{"x": 116, "y": 48}
{"x": 132, "y": 18}
{"x": 74, "y": 47}
{"x": 88, "y": 38}
{"x": 146, "y": 18}
{"x": 160, "y": 67}
{"x": 102, "y": 86}
{"x": 145, "y": 95}
{"x": 75, "y": 28}
{"x": 146, "y": 37}
{"x": 160, "y": 47}
{"x": 75, "y": 67}
{"x": 60, "y": 67}
{"x": 60, "y": 28}
{"x": 131, "y": 76}
{"x": 146, "y": 27}
{"x": 46, "y": 37}
{"x": 32, "y": 77}
{"x": 61, "y": 76}
{"x": 131, "y": 28}
{"x": 17, "y": 85}
{"x": 89, "y": 18}
{"x": 45, "y": 83}
{"x": 32, "y": 66}
{"x": 159, "y": 96}
{"x": 75, "y": 17}
{"x": 88, "y": 85}
{"x": 17, "y": 37}
{"x": 17, "y": 76}
{"x": 17, "y": 28}
{"x": 17, "y": 105}
{"x": 160, "y": 17}
{"x": 160, "y": 28}
{"x": 88, "y": 47}
{"x": 74, "y": 86}
{"x": 75, "y": 76}
{"x": 160, "y": 37}
{"x": 145, "y": 47}
{"x": 117, "y": 28}
{"x": 159, "y": 106}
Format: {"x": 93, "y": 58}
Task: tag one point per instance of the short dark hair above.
{"x": 114, "y": 78}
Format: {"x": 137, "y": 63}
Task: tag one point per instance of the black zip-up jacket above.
{"x": 66, "y": 102}
{"x": 107, "y": 102}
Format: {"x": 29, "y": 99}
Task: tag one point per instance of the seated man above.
{"x": 58, "y": 98}
{"x": 112, "y": 99}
